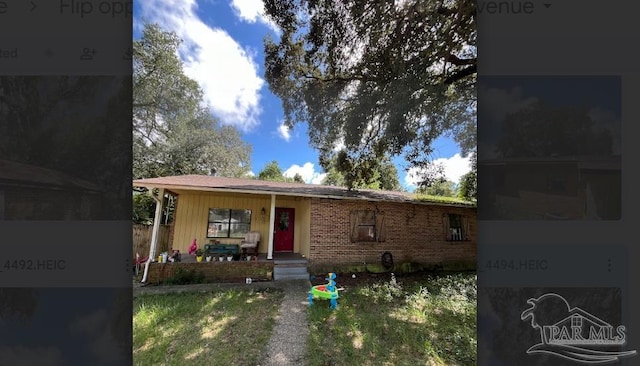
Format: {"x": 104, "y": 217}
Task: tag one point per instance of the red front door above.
{"x": 283, "y": 230}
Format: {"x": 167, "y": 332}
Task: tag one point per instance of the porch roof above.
{"x": 255, "y": 186}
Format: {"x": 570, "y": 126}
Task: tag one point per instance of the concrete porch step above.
{"x": 290, "y": 262}
{"x": 289, "y": 272}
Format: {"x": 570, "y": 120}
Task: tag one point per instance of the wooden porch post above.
{"x": 272, "y": 220}
{"x": 156, "y": 230}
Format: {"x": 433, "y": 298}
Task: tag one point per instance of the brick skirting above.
{"x": 235, "y": 271}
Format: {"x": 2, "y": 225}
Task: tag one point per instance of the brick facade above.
{"x": 413, "y": 233}
{"x": 235, "y": 271}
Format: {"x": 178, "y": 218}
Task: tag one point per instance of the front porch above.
{"x": 283, "y": 266}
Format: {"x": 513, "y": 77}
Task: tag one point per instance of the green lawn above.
{"x": 428, "y": 321}
{"x": 203, "y": 328}
{"x": 416, "y": 320}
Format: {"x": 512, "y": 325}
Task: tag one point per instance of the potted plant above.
{"x": 221, "y": 257}
{"x": 199, "y": 255}
{"x": 208, "y": 258}
{"x": 229, "y": 256}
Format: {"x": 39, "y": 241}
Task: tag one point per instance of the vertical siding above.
{"x": 193, "y": 210}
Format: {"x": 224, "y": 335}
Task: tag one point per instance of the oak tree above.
{"x": 381, "y": 78}
{"x": 173, "y": 132}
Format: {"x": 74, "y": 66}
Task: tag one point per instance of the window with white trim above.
{"x": 228, "y": 223}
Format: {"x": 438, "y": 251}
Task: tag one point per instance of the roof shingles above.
{"x": 205, "y": 182}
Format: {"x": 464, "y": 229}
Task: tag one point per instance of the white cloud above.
{"x": 252, "y": 11}
{"x": 454, "y": 168}
{"x": 284, "y": 132}
{"x": 412, "y": 178}
{"x": 225, "y": 70}
{"x": 26, "y": 356}
{"x": 307, "y": 171}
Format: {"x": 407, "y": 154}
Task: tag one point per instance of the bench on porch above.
{"x": 221, "y": 248}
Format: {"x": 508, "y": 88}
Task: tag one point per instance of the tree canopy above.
{"x": 379, "y": 78}
{"x": 381, "y": 174}
{"x": 273, "y": 172}
{"x": 468, "y": 187}
{"x": 442, "y": 187}
{"x": 173, "y": 132}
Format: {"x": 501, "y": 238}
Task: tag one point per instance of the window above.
{"x": 367, "y": 225}
{"x": 228, "y": 223}
{"x": 283, "y": 222}
{"x": 456, "y": 227}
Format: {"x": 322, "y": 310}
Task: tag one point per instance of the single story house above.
{"x": 29, "y": 192}
{"x": 328, "y": 226}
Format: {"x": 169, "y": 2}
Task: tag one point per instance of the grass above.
{"x": 427, "y": 322}
{"x": 229, "y": 327}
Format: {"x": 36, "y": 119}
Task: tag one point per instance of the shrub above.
{"x": 184, "y": 277}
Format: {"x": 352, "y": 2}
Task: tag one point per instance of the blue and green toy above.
{"x": 325, "y": 292}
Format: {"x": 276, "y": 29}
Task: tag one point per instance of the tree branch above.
{"x": 459, "y": 62}
{"x": 461, "y": 74}
{"x": 338, "y": 78}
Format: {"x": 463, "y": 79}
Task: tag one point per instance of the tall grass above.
{"x": 431, "y": 321}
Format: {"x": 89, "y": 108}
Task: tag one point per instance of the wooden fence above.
{"x": 142, "y": 239}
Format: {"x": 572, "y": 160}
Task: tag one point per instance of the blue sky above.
{"x": 222, "y": 49}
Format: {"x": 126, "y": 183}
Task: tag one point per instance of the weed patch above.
{"x": 431, "y": 320}
{"x": 185, "y": 277}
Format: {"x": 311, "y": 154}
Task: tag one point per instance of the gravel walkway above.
{"x": 288, "y": 343}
